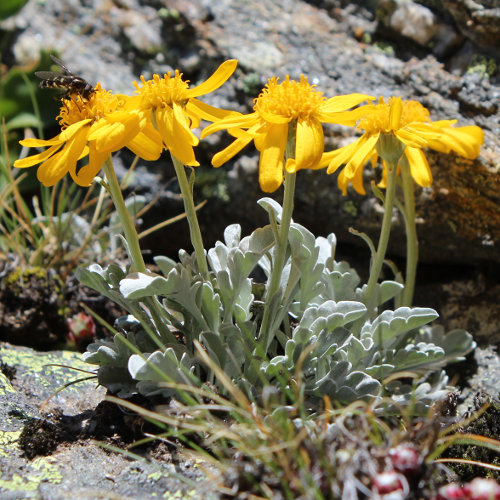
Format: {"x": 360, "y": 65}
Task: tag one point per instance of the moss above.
{"x": 212, "y": 183}
{"x": 252, "y": 84}
{"x": 487, "y": 425}
{"x": 20, "y": 275}
{"x": 350, "y": 208}
{"x": 483, "y": 65}
{"x": 385, "y": 48}
{"x": 13, "y": 277}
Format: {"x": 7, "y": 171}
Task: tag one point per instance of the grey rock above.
{"x": 73, "y": 467}
{"x": 458, "y": 216}
{"x": 414, "y": 21}
{"x": 478, "y": 20}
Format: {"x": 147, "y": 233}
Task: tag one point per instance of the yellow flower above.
{"x": 409, "y": 122}
{"x": 172, "y": 106}
{"x": 279, "y": 107}
{"x": 96, "y": 127}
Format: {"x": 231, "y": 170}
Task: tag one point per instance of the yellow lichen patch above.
{"x": 38, "y": 366}
{"x": 8, "y": 442}
{"x": 181, "y": 494}
{"x": 155, "y": 476}
{"x": 42, "y": 469}
{"x": 5, "y": 385}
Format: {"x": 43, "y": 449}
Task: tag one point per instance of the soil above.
{"x": 35, "y": 303}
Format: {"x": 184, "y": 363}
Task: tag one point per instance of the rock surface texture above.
{"x": 442, "y": 54}
{"x": 49, "y": 440}
{"x": 342, "y": 47}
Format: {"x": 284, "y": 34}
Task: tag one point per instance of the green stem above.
{"x": 194, "y": 227}
{"x": 134, "y": 250}
{"x": 411, "y": 233}
{"x": 133, "y": 247}
{"x": 265, "y": 336}
{"x": 282, "y": 243}
{"x": 385, "y": 231}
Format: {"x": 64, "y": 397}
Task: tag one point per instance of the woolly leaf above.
{"x": 392, "y": 323}
{"x": 272, "y": 207}
{"x": 165, "y": 264}
{"x": 148, "y": 284}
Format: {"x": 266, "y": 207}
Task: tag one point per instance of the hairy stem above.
{"x": 133, "y": 247}
{"x": 194, "y": 227}
{"x": 411, "y": 233}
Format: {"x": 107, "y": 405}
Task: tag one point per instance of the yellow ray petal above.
{"x": 291, "y": 165}
{"x": 357, "y": 182}
{"x": 183, "y": 139}
{"x": 84, "y": 153}
{"x": 348, "y": 118}
{"x": 343, "y": 102}
{"x": 465, "y": 141}
{"x": 444, "y": 123}
{"x": 233, "y": 149}
{"x": 383, "y": 180}
{"x": 361, "y": 156}
{"x": 411, "y": 139}
{"x": 182, "y": 129}
{"x": 205, "y": 112}
{"x": 395, "y": 112}
{"x": 260, "y": 137}
{"x": 238, "y": 132}
{"x": 70, "y": 131}
{"x": 222, "y": 73}
{"x": 164, "y": 118}
{"x": 120, "y": 127}
{"x": 271, "y": 158}
{"x": 147, "y": 144}
{"x": 419, "y": 167}
{"x": 334, "y": 159}
{"x": 59, "y": 164}
{"x": 236, "y": 121}
{"x": 426, "y": 131}
{"x": 309, "y": 144}
{"x": 86, "y": 174}
{"x": 273, "y": 118}
{"x": 343, "y": 182}
{"x": 34, "y": 159}
{"x": 171, "y": 131}
{"x": 38, "y": 143}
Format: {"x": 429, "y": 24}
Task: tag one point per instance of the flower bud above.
{"x": 482, "y": 489}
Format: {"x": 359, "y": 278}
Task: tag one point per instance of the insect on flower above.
{"x": 67, "y": 81}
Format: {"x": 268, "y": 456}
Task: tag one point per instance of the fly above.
{"x": 67, "y": 81}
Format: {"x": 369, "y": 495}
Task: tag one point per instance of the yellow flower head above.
{"x": 96, "y": 127}
{"x": 281, "y": 108}
{"x": 409, "y": 123}
{"x": 172, "y": 106}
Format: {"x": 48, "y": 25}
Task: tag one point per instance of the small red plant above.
{"x": 406, "y": 459}
{"x": 450, "y": 492}
{"x": 477, "y": 489}
{"x": 81, "y": 329}
{"x": 388, "y": 482}
{"x": 482, "y": 489}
